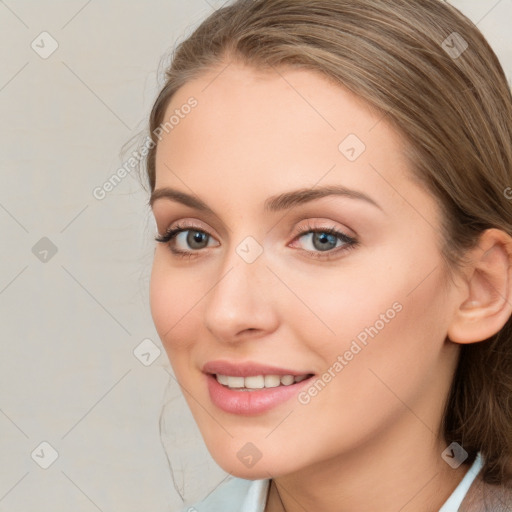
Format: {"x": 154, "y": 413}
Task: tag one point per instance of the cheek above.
{"x": 333, "y": 306}
{"x": 397, "y": 295}
{"x": 398, "y": 363}
{"x": 173, "y": 295}
{"x": 395, "y": 345}
{"x": 387, "y": 315}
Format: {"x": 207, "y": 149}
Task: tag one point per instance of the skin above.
{"x": 369, "y": 440}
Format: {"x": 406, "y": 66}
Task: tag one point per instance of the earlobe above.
{"x": 487, "y": 304}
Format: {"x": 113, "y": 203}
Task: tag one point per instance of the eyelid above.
{"x": 186, "y": 225}
{"x": 298, "y": 230}
{"x": 302, "y": 229}
{"x": 183, "y": 226}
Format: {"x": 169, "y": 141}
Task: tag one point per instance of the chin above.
{"x": 249, "y": 463}
{"x": 258, "y": 472}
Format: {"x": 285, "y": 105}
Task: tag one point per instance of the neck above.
{"x": 402, "y": 470}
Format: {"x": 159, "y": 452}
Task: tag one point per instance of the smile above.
{"x": 255, "y": 382}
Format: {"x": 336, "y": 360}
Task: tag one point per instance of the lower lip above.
{"x": 251, "y": 402}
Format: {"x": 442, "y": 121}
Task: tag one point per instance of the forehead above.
{"x": 270, "y": 130}
{"x": 265, "y": 101}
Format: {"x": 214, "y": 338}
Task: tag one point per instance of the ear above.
{"x": 487, "y": 297}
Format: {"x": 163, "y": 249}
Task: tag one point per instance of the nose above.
{"x": 240, "y": 304}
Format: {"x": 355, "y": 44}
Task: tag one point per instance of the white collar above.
{"x": 452, "y": 504}
{"x": 256, "y": 497}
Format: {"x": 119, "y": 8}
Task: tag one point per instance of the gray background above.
{"x": 70, "y": 321}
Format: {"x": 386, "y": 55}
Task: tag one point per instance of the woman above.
{"x": 330, "y": 181}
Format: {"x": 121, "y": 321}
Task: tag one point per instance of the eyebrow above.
{"x": 276, "y": 203}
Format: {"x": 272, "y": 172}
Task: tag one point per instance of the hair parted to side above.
{"x": 455, "y": 115}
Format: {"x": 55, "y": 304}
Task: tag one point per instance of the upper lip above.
{"x": 247, "y": 369}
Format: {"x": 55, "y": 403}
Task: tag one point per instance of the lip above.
{"x": 248, "y": 403}
{"x": 247, "y": 369}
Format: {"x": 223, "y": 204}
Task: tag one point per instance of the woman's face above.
{"x": 281, "y": 276}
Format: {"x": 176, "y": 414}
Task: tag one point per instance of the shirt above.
{"x": 240, "y": 495}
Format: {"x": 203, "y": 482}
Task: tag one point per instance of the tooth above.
{"x": 235, "y": 382}
{"x": 272, "y": 381}
{"x": 255, "y": 382}
{"x": 287, "y": 380}
{"x": 259, "y": 381}
{"x": 222, "y": 379}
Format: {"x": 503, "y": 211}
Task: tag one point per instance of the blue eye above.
{"x": 325, "y": 242}
{"x": 322, "y": 242}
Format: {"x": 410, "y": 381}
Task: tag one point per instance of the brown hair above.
{"x": 453, "y": 106}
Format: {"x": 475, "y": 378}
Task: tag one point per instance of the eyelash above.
{"x": 350, "y": 242}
